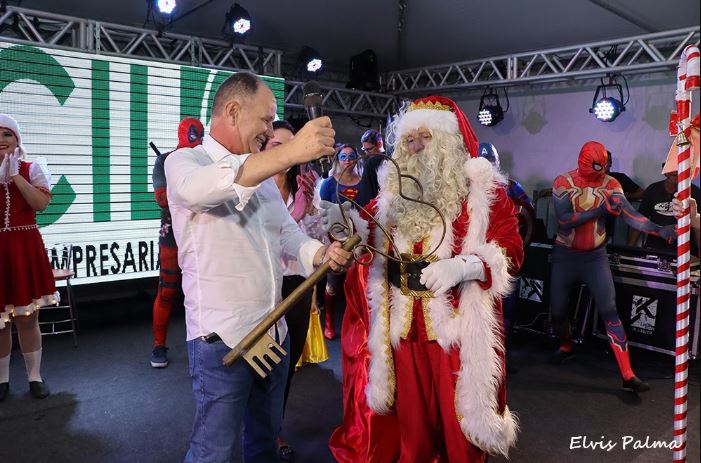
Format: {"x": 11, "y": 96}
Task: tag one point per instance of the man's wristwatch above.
{"x": 323, "y": 254}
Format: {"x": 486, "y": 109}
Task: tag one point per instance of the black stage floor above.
{"x": 108, "y": 405}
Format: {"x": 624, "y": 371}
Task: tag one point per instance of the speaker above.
{"x": 363, "y": 72}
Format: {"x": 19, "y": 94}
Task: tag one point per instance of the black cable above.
{"x": 190, "y": 11}
{"x": 357, "y": 121}
{"x": 627, "y": 90}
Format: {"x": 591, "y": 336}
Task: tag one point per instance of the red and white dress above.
{"x": 26, "y": 279}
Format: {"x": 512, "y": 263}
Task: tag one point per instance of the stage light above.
{"x": 607, "y": 108}
{"x": 238, "y": 20}
{"x": 490, "y": 110}
{"x": 314, "y": 65}
{"x": 159, "y": 13}
{"x": 166, "y": 7}
{"x": 311, "y": 61}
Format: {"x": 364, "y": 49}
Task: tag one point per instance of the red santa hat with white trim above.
{"x": 440, "y": 113}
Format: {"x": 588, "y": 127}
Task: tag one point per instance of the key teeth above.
{"x": 264, "y": 355}
{"x": 257, "y": 366}
{"x": 277, "y": 349}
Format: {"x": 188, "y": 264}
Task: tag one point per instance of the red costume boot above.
{"x": 329, "y": 330}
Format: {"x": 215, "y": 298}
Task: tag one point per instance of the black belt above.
{"x": 407, "y": 276}
{"x": 211, "y": 338}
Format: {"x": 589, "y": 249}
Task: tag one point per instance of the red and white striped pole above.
{"x": 687, "y": 80}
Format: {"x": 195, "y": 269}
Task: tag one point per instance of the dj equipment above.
{"x": 532, "y": 287}
{"x": 646, "y": 295}
{"x": 645, "y": 282}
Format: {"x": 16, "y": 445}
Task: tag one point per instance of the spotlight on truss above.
{"x": 490, "y": 110}
{"x": 607, "y": 108}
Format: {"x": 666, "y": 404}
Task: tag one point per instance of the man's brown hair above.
{"x": 242, "y": 84}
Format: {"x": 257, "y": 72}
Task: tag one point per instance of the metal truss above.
{"x": 343, "y": 101}
{"x": 644, "y": 53}
{"x": 21, "y": 25}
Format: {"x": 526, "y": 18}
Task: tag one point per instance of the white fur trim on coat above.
{"x": 360, "y": 226}
{"x": 481, "y": 345}
{"x": 380, "y": 392}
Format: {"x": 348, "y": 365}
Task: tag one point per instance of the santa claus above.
{"x": 435, "y": 325}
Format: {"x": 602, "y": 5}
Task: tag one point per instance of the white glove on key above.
{"x": 330, "y": 213}
{"x": 440, "y": 276}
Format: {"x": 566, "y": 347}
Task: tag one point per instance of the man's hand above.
{"x": 338, "y": 258}
{"x": 678, "y": 211}
{"x": 13, "y": 162}
{"x": 330, "y": 214}
{"x": 314, "y": 140}
{"x": 677, "y": 207}
{"x": 440, "y": 276}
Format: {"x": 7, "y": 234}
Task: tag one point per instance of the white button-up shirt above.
{"x": 230, "y": 240}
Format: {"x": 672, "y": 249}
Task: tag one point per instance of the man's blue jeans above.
{"x": 230, "y": 399}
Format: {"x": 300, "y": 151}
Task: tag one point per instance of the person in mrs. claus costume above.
{"x": 436, "y": 333}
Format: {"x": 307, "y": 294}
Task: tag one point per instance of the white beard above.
{"x": 440, "y": 170}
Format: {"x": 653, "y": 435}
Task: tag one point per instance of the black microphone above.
{"x": 312, "y": 103}
{"x": 312, "y": 99}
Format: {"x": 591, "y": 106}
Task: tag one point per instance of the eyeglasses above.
{"x": 352, "y": 156}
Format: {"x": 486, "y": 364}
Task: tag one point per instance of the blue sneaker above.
{"x": 159, "y": 357}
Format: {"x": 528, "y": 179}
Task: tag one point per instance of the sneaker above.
{"x": 285, "y": 452}
{"x": 559, "y": 356}
{"x": 4, "y": 389}
{"x": 635, "y": 385}
{"x": 39, "y": 389}
{"x": 159, "y": 357}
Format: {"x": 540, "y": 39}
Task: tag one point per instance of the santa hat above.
{"x": 440, "y": 113}
{"x": 10, "y": 123}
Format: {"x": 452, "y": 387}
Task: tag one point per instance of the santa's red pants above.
{"x": 168, "y": 286}
{"x": 428, "y": 426}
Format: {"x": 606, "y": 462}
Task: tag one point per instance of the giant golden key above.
{"x": 260, "y": 350}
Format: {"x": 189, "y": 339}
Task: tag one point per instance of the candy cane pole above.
{"x": 687, "y": 80}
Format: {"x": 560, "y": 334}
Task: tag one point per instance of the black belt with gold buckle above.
{"x": 407, "y": 276}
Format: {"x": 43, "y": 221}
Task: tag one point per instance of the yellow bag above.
{"x": 315, "y": 350}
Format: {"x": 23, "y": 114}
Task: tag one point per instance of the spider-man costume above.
{"x": 190, "y": 133}
{"x": 582, "y": 199}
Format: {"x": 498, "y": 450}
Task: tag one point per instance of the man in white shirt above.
{"x": 231, "y": 229}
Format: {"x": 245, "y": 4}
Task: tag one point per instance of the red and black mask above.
{"x": 190, "y": 133}
{"x": 592, "y": 161}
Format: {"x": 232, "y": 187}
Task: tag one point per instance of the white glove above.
{"x": 330, "y": 214}
{"x": 13, "y": 162}
{"x": 440, "y": 276}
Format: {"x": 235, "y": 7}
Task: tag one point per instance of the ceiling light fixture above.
{"x": 608, "y": 108}
{"x": 490, "y": 110}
